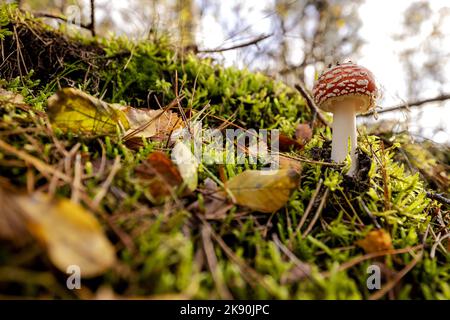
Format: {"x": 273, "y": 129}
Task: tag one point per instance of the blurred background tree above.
{"x": 291, "y": 40}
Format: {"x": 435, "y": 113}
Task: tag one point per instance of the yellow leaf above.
{"x": 376, "y": 240}
{"x": 264, "y": 191}
{"x": 72, "y": 109}
{"x": 71, "y": 235}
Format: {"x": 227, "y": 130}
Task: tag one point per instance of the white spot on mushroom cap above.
{"x": 362, "y": 82}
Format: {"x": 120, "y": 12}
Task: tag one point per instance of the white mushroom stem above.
{"x": 344, "y": 132}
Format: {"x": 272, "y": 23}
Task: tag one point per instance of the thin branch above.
{"x": 238, "y": 46}
{"x": 311, "y": 104}
{"x": 59, "y": 17}
{"x": 417, "y": 103}
{"x": 92, "y": 24}
{"x": 438, "y": 197}
{"x": 318, "y": 212}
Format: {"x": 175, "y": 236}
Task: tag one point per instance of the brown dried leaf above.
{"x": 286, "y": 143}
{"x": 303, "y": 133}
{"x": 162, "y": 175}
{"x": 376, "y": 240}
{"x": 150, "y": 123}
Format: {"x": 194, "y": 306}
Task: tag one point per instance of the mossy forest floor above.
{"x": 174, "y": 248}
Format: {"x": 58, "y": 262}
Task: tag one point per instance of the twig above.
{"x": 438, "y": 242}
{"x": 369, "y": 213}
{"x": 316, "y": 216}
{"x": 311, "y": 104}
{"x": 238, "y": 46}
{"x": 212, "y": 264}
{"x": 379, "y": 294}
{"x": 372, "y": 255}
{"x": 306, "y": 269}
{"x": 101, "y": 194}
{"x": 76, "y": 184}
{"x": 38, "y": 164}
{"x": 408, "y": 105}
{"x": 308, "y": 208}
{"x": 59, "y": 17}
{"x": 92, "y": 24}
{"x": 438, "y": 197}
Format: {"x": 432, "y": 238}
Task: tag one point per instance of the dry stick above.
{"x": 299, "y": 264}
{"x": 391, "y": 284}
{"x": 369, "y": 213}
{"x": 247, "y": 272}
{"x": 316, "y": 216}
{"x": 212, "y": 264}
{"x": 61, "y": 18}
{"x": 76, "y": 185}
{"x": 92, "y": 24}
{"x": 311, "y": 104}
{"x": 106, "y": 184}
{"x": 308, "y": 208}
{"x": 408, "y": 105}
{"x": 438, "y": 197}
{"x": 438, "y": 242}
{"x": 238, "y": 46}
{"x": 372, "y": 255}
{"x": 38, "y": 164}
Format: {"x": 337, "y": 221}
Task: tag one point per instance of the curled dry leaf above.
{"x": 150, "y": 123}
{"x": 376, "y": 240}
{"x": 264, "y": 191}
{"x": 70, "y": 234}
{"x": 303, "y": 133}
{"x": 162, "y": 175}
{"x": 288, "y": 144}
{"x": 74, "y": 110}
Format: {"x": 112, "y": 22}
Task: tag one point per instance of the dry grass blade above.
{"x": 318, "y": 212}
{"x": 212, "y": 264}
{"x": 44, "y": 168}
{"x": 391, "y": 284}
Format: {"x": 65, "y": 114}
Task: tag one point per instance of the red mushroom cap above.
{"x": 346, "y": 80}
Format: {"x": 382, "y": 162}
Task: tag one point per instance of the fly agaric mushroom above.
{"x": 345, "y": 90}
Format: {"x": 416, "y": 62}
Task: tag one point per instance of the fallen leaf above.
{"x": 162, "y": 175}
{"x": 149, "y": 123}
{"x": 70, "y": 234}
{"x": 303, "y": 133}
{"x": 72, "y": 109}
{"x": 376, "y": 240}
{"x": 286, "y": 143}
{"x": 264, "y": 191}
{"x": 75, "y": 110}
{"x": 187, "y": 164}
